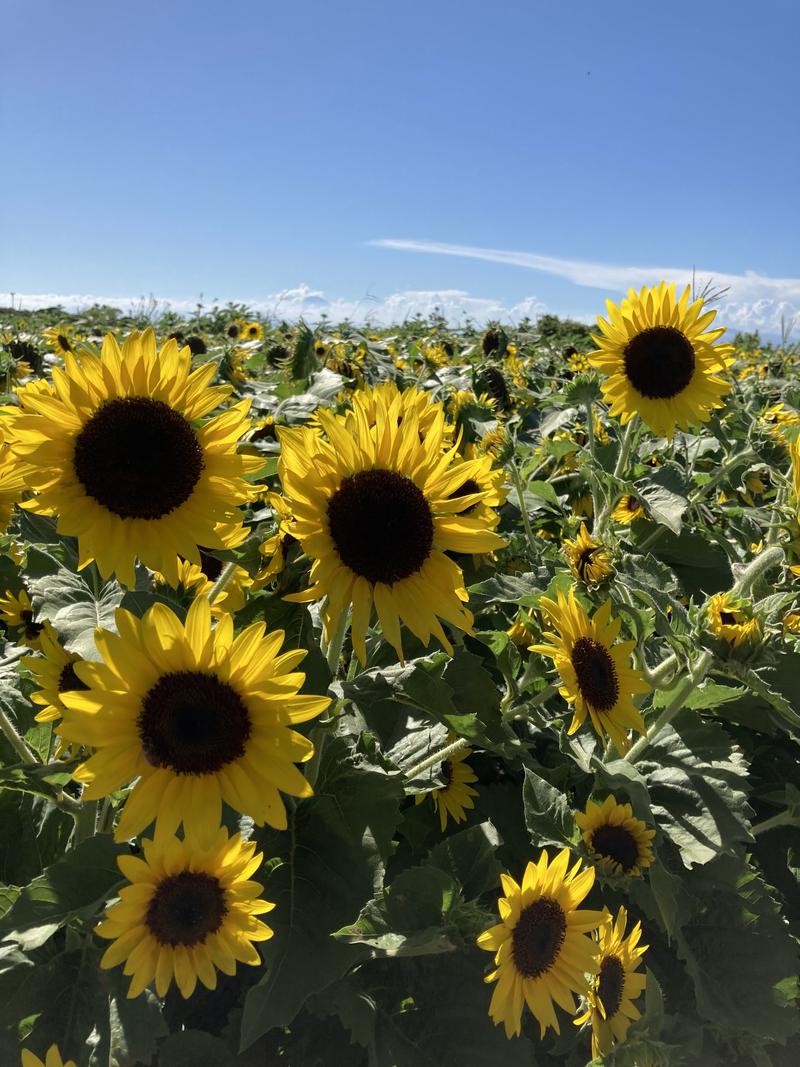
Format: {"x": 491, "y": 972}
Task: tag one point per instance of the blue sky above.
{"x": 249, "y": 149}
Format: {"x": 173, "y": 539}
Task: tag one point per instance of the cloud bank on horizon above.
{"x": 752, "y": 302}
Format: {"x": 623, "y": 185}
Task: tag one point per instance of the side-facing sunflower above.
{"x": 588, "y": 560}
{"x": 62, "y": 339}
{"x": 54, "y": 673}
{"x": 627, "y": 509}
{"x": 199, "y": 581}
{"x": 733, "y": 619}
{"x": 661, "y": 360}
{"x": 376, "y": 506}
{"x": 455, "y": 796}
{"x": 190, "y": 909}
{"x": 596, "y": 675}
{"x": 617, "y": 985}
{"x": 542, "y": 948}
{"x": 616, "y": 839}
{"x": 17, "y": 611}
{"x": 196, "y": 716}
{"x": 122, "y": 452}
{"x": 52, "y": 1059}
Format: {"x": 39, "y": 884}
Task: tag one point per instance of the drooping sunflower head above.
{"x": 196, "y": 716}
{"x": 661, "y": 360}
{"x": 52, "y": 1059}
{"x": 627, "y": 509}
{"x": 616, "y": 839}
{"x": 541, "y": 946}
{"x": 375, "y": 504}
{"x": 588, "y": 560}
{"x": 454, "y": 798}
{"x": 617, "y": 984}
{"x": 189, "y": 910}
{"x": 733, "y": 619}
{"x": 122, "y": 452}
{"x": 595, "y": 670}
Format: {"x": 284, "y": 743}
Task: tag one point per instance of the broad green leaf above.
{"x": 469, "y": 857}
{"x": 664, "y": 492}
{"x": 547, "y": 814}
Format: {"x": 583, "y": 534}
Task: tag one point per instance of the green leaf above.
{"x": 547, "y": 814}
{"x": 469, "y": 857}
{"x": 82, "y": 879}
{"x": 664, "y": 492}
{"x": 74, "y": 603}
{"x": 134, "y": 1029}
{"x": 331, "y": 862}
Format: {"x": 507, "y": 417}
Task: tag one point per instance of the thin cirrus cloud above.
{"x": 753, "y": 301}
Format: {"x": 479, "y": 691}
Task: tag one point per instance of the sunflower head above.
{"x": 54, "y": 673}
{"x": 253, "y": 331}
{"x": 615, "y": 838}
{"x": 616, "y": 985}
{"x": 454, "y": 798}
{"x": 17, "y": 612}
{"x": 588, "y": 560}
{"x": 189, "y": 910}
{"x": 595, "y": 670}
{"x": 52, "y": 1059}
{"x": 733, "y": 620}
{"x": 661, "y": 360}
{"x": 62, "y": 339}
{"x": 627, "y": 509}
{"x": 542, "y": 948}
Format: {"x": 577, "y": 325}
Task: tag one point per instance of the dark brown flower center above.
{"x": 611, "y": 984}
{"x": 727, "y": 618}
{"x": 446, "y": 771}
{"x": 659, "y": 362}
{"x": 138, "y": 458}
{"x": 64, "y": 343}
{"x": 193, "y": 723}
{"x": 469, "y": 487}
{"x": 618, "y": 844}
{"x": 233, "y": 330}
{"x": 538, "y": 936}
{"x": 584, "y": 561}
{"x": 381, "y": 525}
{"x": 186, "y": 908}
{"x": 68, "y": 681}
{"x": 30, "y": 629}
{"x": 596, "y": 673}
{"x": 210, "y": 566}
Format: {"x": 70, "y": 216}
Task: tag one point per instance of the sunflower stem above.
{"x": 655, "y": 678}
{"x": 625, "y": 448}
{"x": 14, "y": 738}
{"x": 593, "y": 484}
{"x": 693, "y": 679}
{"x": 333, "y": 653}
{"x": 85, "y": 822}
{"x": 526, "y": 522}
{"x": 438, "y": 757}
{"x": 222, "y": 583}
{"x": 767, "y": 559}
{"x": 783, "y": 818}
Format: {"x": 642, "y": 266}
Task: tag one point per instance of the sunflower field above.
{"x": 408, "y": 697}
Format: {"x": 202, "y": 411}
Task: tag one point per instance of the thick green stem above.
{"x": 26, "y": 754}
{"x": 757, "y": 568}
{"x": 526, "y": 522}
{"x": 625, "y": 449}
{"x": 695, "y": 676}
{"x": 783, "y": 818}
{"x": 593, "y": 484}
{"x": 436, "y": 758}
{"x": 657, "y": 675}
{"x": 222, "y": 583}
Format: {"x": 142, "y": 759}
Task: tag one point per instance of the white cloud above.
{"x": 311, "y": 304}
{"x": 753, "y": 301}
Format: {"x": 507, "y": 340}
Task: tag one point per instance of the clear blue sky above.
{"x": 240, "y": 148}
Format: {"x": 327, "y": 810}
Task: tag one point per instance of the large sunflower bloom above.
{"x": 196, "y": 716}
{"x": 596, "y": 675}
{"x": 661, "y": 359}
{"x": 542, "y": 950}
{"x": 120, "y": 450}
{"x": 618, "y": 984}
{"x": 52, "y": 1059}
{"x": 454, "y": 798}
{"x": 188, "y": 910}
{"x": 376, "y": 507}
{"x": 616, "y": 839}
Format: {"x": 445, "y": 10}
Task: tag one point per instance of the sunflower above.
{"x": 120, "y": 451}
{"x": 498, "y": 444}
{"x": 542, "y": 950}
{"x": 588, "y": 560}
{"x": 616, "y": 986}
{"x": 195, "y": 716}
{"x": 519, "y": 630}
{"x": 661, "y": 359}
{"x": 582, "y": 505}
{"x": 62, "y": 339}
{"x": 794, "y": 452}
{"x": 189, "y": 910}
{"x": 596, "y": 675}
{"x": 12, "y": 483}
{"x": 52, "y": 1059}
{"x": 617, "y": 840}
{"x": 376, "y": 506}
{"x": 627, "y": 509}
{"x": 253, "y": 331}
{"x": 199, "y": 581}
{"x": 274, "y": 548}
{"x": 733, "y": 620}
{"x": 54, "y": 673}
{"x": 455, "y": 796}
{"x": 235, "y": 329}
{"x": 17, "y": 612}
